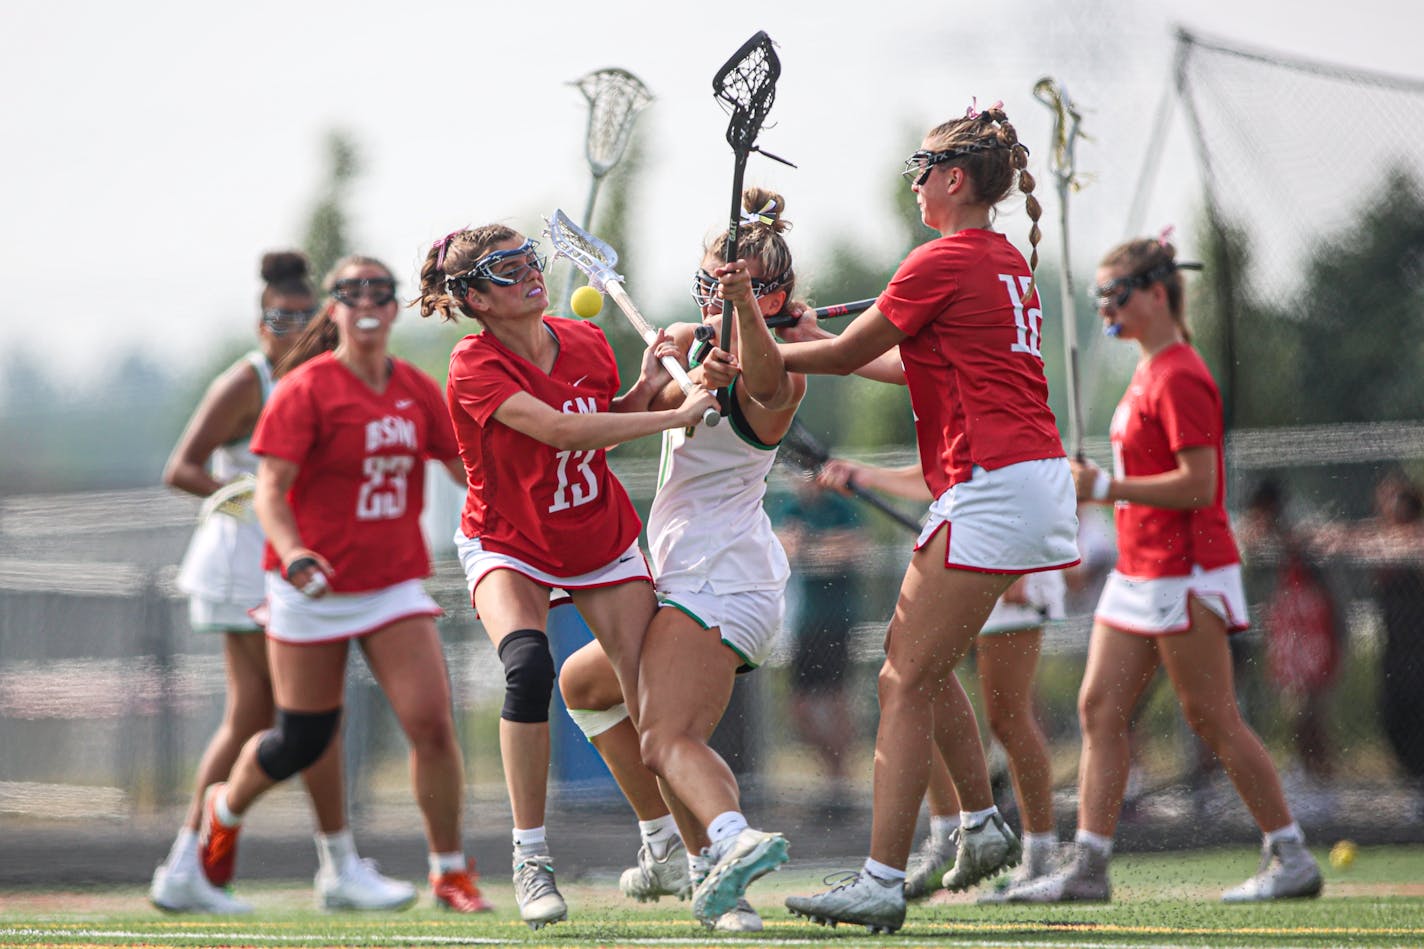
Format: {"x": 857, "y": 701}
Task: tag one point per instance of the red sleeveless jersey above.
{"x": 361, "y": 486}
{"x": 560, "y": 511}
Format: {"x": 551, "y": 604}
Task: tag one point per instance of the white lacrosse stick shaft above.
{"x": 614, "y": 288}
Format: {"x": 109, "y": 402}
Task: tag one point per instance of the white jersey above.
{"x": 223, "y": 563}
{"x": 236, "y": 457}
{"x": 707, "y": 528}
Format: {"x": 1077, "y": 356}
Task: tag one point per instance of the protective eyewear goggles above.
{"x": 503, "y": 268}
{"x": 281, "y": 322}
{"x": 1115, "y": 293}
{"x": 704, "y": 287}
{"x": 918, "y": 166}
{"x": 377, "y": 291}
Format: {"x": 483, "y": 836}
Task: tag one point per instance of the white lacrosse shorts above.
{"x": 479, "y": 563}
{"x": 207, "y": 615}
{"x": 1158, "y": 606}
{"x": 293, "y": 617}
{"x": 1043, "y": 593}
{"x": 1017, "y": 519}
{"x": 748, "y": 621}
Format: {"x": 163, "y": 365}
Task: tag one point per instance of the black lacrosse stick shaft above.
{"x": 738, "y": 174}
{"x": 746, "y": 83}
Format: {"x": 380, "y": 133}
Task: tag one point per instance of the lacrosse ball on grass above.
{"x": 586, "y": 302}
{"x": 1342, "y": 855}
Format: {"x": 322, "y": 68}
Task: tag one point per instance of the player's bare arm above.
{"x": 1192, "y": 484}
{"x": 590, "y": 431}
{"x": 228, "y": 411}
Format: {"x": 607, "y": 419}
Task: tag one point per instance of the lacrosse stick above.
{"x": 615, "y": 97}
{"x": 596, "y": 259}
{"x": 704, "y": 334}
{"x": 233, "y": 499}
{"x": 1051, "y": 93}
{"x": 824, "y": 312}
{"x": 746, "y": 85}
{"x": 800, "y": 450}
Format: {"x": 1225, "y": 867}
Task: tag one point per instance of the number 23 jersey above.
{"x": 361, "y": 486}
{"x": 560, "y": 511}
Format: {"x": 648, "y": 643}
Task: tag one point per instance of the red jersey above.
{"x": 972, "y": 359}
{"x": 1172, "y": 403}
{"x": 361, "y": 487}
{"x": 560, "y": 511}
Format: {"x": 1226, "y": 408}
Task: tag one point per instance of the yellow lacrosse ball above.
{"x": 1342, "y": 855}
{"x": 586, "y": 302}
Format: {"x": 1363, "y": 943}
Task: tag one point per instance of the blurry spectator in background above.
{"x": 1395, "y": 540}
{"x": 1302, "y": 629}
{"x": 1392, "y": 542}
{"x": 1399, "y": 585}
{"x": 821, "y": 531}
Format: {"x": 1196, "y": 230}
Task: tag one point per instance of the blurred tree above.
{"x": 327, "y": 240}
{"x": 1362, "y": 312}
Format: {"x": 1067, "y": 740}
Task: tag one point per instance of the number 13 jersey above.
{"x": 560, "y": 511}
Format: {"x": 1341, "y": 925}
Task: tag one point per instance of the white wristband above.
{"x": 1101, "y": 485}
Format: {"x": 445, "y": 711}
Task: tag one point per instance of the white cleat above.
{"x": 928, "y": 865}
{"x": 739, "y": 860}
{"x": 539, "y": 899}
{"x": 982, "y": 852}
{"x": 653, "y": 879}
{"x": 1287, "y": 872}
{"x": 863, "y": 899}
{"x": 191, "y": 893}
{"x": 360, "y": 886}
{"x": 1083, "y": 878}
{"x": 740, "y": 919}
{"x": 1037, "y": 864}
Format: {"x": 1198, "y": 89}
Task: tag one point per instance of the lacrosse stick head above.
{"x": 1066, "y": 117}
{"x": 593, "y": 257}
{"x": 746, "y": 86}
{"x": 615, "y": 97}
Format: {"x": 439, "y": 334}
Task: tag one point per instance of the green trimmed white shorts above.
{"x": 748, "y": 621}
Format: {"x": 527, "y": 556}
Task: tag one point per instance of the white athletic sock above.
{"x": 443, "y": 863}
{"x": 531, "y": 842}
{"x": 658, "y": 834}
{"x": 183, "y": 855}
{"x": 333, "y": 850}
{"x": 1291, "y": 831}
{"x": 224, "y": 813}
{"x": 698, "y": 864}
{"x": 942, "y": 827}
{"x": 1035, "y": 842}
{"x": 1097, "y": 842}
{"x": 724, "y": 825}
{"x": 883, "y": 872}
{"x": 973, "y": 820}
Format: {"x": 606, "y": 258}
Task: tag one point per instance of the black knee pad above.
{"x": 528, "y": 676}
{"x": 296, "y": 742}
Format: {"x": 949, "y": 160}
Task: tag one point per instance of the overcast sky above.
{"x": 153, "y": 149}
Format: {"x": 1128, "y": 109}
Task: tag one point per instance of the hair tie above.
{"x": 1165, "y": 235}
{"x": 443, "y": 245}
{"x": 973, "y": 112}
{"x": 762, "y": 216}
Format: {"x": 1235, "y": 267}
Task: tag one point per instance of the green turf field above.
{"x": 1160, "y": 900}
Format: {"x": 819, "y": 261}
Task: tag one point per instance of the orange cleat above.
{"x": 217, "y": 843}
{"x": 455, "y": 890}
